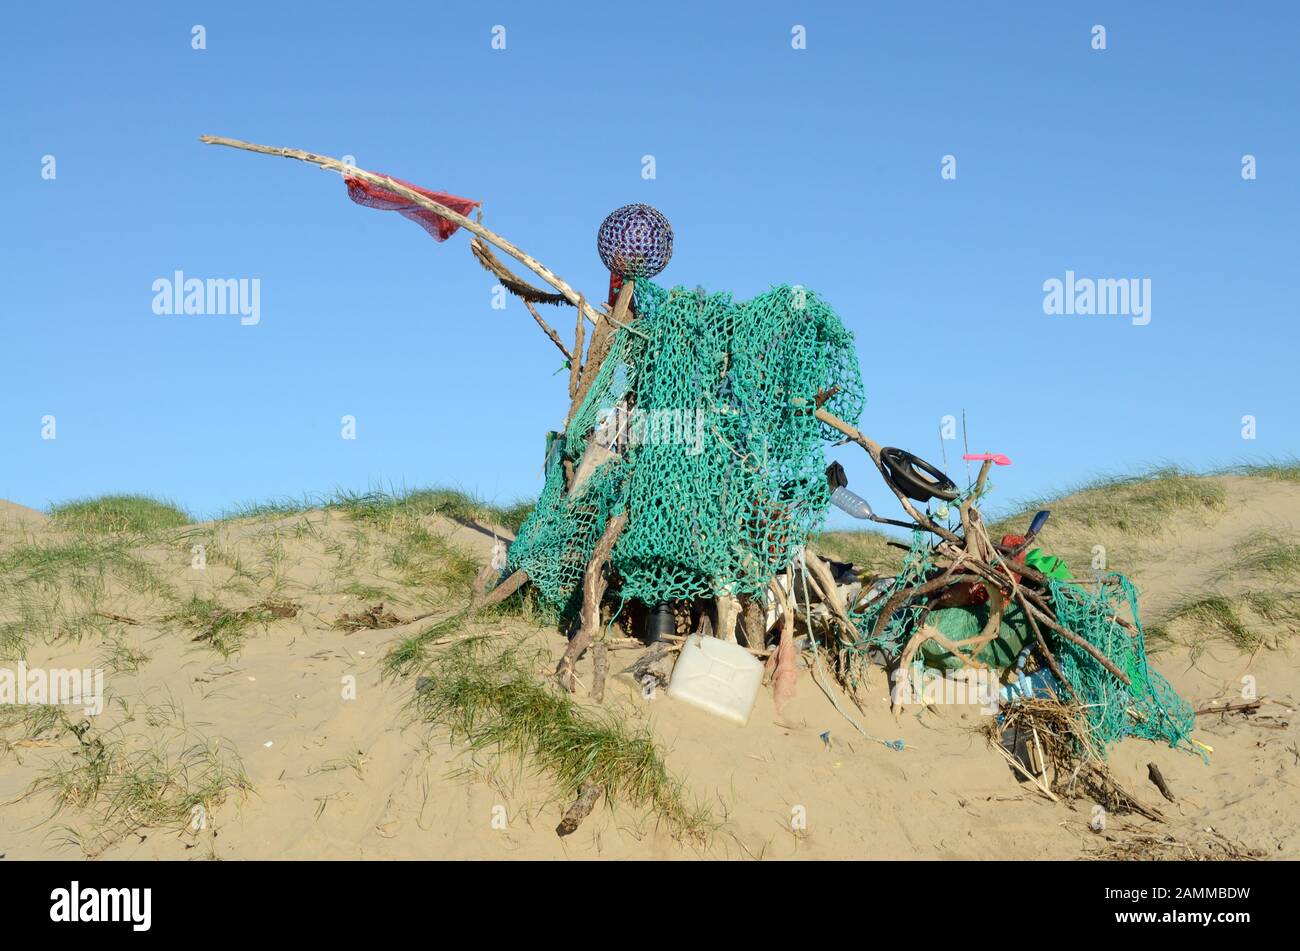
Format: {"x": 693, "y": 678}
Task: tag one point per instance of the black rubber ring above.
{"x": 901, "y": 465}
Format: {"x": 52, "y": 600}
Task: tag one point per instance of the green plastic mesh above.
{"x": 1148, "y": 707}
{"x": 720, "y": 463}
{"x": 917, "y": 565}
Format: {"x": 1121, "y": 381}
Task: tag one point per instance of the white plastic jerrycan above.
{"x": 716, "y": 676}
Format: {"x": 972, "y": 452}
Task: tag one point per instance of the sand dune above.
{"x": 305, "y": 748}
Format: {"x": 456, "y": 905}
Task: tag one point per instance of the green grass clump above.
{"x": 1283, "y": 470}
{"x": 21, "y": 722}
{"x": 58, "y": 590}
{"x": 866, "y": 549}
{"x": 274, "y": 508}
{"x": 222, "y": 628}
{"x": 411, "y": 653}
{"x": 1215, "y": 615}
{"x": 1137, "y": 505}
{"x": 49, "y": 562}
{"x": 1267, "y": 554}
{"x": 118, "y": 514}
{"x": 426, "y": 559}
{"x": 127, "y": 783}
{"x": 1249, "y": 621}
{"x": 366, "y": 592}
{"x": 383, "y": 508}
{"x": 489, "y": 698}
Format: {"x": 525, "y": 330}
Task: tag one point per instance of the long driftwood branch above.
{"x": 383, "y": 181}
{"x": 575, "y": 360}
{"x": 593, "y": 589}
{"x": 502, "y": 591}
{"x": 549, "y": 330}
{"x": 873, "y": 450}
{"x": 602, "y": 338}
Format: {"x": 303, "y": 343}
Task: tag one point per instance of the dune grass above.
{"x": 47, "y": 561}
{"x": 1135, "y": 505}
{"x": 1283, "y": 470}
{"x": 118, "y": 514}
{"x": 1265, "y": 554}
{"x": 412, "y": 653}
{"x": 865, "y": 549}
{"x": 488, "y": 696}
{"x": 123, "y": 782}
{"x": 57, "y": 590}
{"x": 223, "y": 628}
{"x": 425, "y": 559}
{"x": 25, "y": 722}
{"x": 384, "y": 507}
{"x": 1249, "y": 621}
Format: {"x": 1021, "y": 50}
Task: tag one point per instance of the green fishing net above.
{"x": 700, "y": 424}
{"x": 1148, "y": 706}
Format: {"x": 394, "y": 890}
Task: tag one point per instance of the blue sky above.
{"x": 819, "y": 166}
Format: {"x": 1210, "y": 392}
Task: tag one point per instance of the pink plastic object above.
{"x": 994, "y": 457}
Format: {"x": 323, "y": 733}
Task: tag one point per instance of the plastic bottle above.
{"x": 851, "y": 502}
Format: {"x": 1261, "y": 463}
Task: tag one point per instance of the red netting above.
{"x": 439, "y": 228}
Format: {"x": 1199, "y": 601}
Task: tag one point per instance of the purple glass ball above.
{"x": 635, "y": 241}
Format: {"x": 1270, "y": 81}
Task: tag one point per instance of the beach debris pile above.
{"x": 689, "y": 475}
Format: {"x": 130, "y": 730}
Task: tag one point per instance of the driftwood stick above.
{"x": 1251, "y": 706}
{"x": 600, "y": 670}
{"x": 602, "y": 338}
{"x": 753, "y": 622}
{"x": 580, "y": 809}
{"x": 970, "y": 516}
{"x": 820, "y": 573}
{"x": 383, "y": 181}
{"x": 593, "y": 589}
{"x": 575, "y": 360}
{"x": 481, "y": 581}
{"x": 119, "y": 618}
{"x": 503, "y": 590}
{"x": 549, "y": 331}
{"x": 899, "y": 598}
{"x": 1154, "y": 774}
{"x": 1078, "y": 641}
{"x": 992, "y": 627}
{"x": 873, "y": 450}
{"x": 728, "y": 610}
{"x": 1048, "y": 657}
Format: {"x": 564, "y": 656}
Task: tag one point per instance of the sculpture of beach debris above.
{"x": 698, "y": 423}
